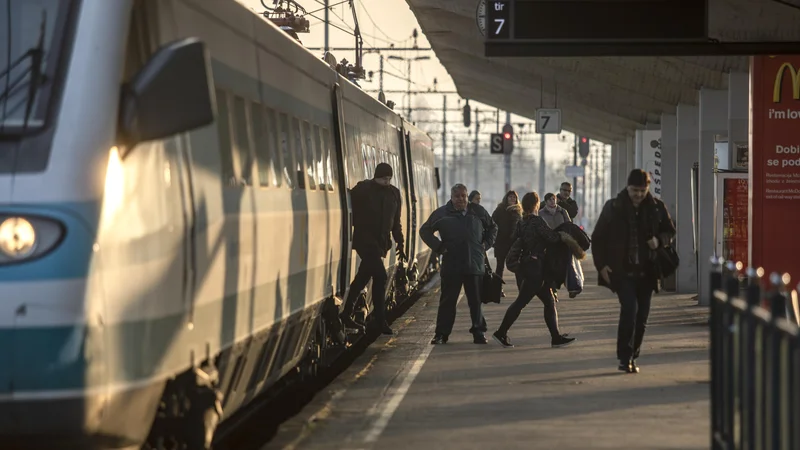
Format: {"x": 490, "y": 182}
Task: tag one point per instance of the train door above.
{"x": 412, "y": 188}
{"x": 340, "y": 140}
{"x": 411, "y": 239}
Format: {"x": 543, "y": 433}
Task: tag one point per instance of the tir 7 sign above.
{"x": 548, "y": 121}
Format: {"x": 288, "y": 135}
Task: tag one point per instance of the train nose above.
{"x": 44, "y": 376}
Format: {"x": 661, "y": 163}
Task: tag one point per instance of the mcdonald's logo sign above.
{"x": 795, "y": 77}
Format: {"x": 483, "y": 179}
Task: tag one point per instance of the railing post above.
{"x": 753, "y": 291}
{"x": 778, "y": 299}
{"x": 748, "y": 402}
{"x": 715, "y": 350}
{"x": 729, "y": 360}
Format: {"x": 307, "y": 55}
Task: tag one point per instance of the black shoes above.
{"x": 439, "y": 339}
{"x": 502, "y": 339}
{"x": 479, "y": 338}
{"x": 628, "y": 366}
{"x": 386, "y": 330}
{"x": 561, "y": 341}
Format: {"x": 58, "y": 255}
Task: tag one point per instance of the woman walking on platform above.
{"x": 533, "y": 236}
{"x": 507, "y": 214}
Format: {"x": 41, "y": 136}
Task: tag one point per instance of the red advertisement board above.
{"x": 734, "y": 219}
{"x": 774, "y": 195}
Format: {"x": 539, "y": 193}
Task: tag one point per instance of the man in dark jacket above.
{"x": 625, "y": 241}
{"x": 564, "y": 200}
{"x": 466, "y": 231}
{"x": 376, "y": 212}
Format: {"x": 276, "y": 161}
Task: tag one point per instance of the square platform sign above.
{"x": 548, "y": 121}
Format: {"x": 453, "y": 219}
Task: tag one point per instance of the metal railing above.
{"x": 755, "y": 360}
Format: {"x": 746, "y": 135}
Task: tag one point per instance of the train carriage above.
{"x": 174, "y": 215}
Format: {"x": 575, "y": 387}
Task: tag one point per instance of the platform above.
{"x": 404, "y": 393}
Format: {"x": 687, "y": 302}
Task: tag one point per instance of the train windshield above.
{"x": 33, "y": 32}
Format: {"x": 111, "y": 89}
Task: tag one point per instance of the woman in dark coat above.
{"x": 507, "y": 214}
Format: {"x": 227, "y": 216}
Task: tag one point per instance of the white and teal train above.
{"x": 174, "y": 215}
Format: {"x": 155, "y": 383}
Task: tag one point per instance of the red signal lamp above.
{"x": 506, "y": 135}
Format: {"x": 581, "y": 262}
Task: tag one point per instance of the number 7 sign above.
{"x": 548, "y": 121}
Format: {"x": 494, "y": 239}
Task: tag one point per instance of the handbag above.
{"x": 492, "y": 285}
{"x": 667, "y": 260}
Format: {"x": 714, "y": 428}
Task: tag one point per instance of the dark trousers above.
{"x": 501, "y": 263}
{"x": 634, "y": 299}
{"x": 451, "y": 289}
{"x": 371, "y": 267}
{"x": 531, "y": 284}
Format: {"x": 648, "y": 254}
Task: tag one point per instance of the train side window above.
{"x": 286, "y": 149}
{"x": 224, "y": 133}
{"x": 273, "y": 141}
{"x": 299, "y": 166}
{"x": 331, "y": 168}
{"x": 311, "y": 166}
{"x": 319, "y": 155}
{"x": 241, "y": 140}
{"x": 365, "y": 157}
{"x": 261, "y": 139}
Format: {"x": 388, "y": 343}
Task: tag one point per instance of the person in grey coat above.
{"x": 553, "y": 214}
{"x": 466, "y": 231}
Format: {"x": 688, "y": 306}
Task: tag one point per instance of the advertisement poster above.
{"x": 734, "y": 219}
{"x": 651, "y": 159}
{"x": 775, "y": 164}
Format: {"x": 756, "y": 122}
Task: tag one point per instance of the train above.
{"x": 175, "y": 222}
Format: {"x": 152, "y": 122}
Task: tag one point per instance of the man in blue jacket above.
{"x": 466, "y": 231}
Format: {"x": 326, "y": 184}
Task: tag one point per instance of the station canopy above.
{"x": 605, "y": 98}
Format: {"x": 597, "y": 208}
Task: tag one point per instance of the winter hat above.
{"x": 383, "y": 170}
{"x": 639, "y": 178}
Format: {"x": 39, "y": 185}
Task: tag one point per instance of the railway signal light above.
{"x": 508, "y": 139}
{"x": 583, "y": 146}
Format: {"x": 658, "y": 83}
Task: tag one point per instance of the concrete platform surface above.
{"x": 404, "y": 393}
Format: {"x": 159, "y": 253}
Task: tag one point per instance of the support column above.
{"x": 713, "y": 122}
{"x": 738, "y": 115}
{"x": 669, "y": 162}
{"x": 638, "y": 149}
{"x": 686, "y": 152}
{"x": 621, "y": 161}
{"x": 669, "y": 173}
{"x": 630, "y": 144}
{"x": 614, "y": 169}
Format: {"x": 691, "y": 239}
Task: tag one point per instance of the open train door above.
{"x": 344, "y": 193}
{"x": 411, "y": 199}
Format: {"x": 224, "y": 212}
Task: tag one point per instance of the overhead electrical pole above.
{"x": 444, "y": 148}
{"x": 542, "y": 172}
{"x": 327, "y": 21}
{"x": 507, "y": 155}
{"x": 475, "y": 157}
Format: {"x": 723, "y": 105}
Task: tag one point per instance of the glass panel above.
{"x": 330, "y": 161}
{"x": 311, "y": 167}
{"x": 261, "y": 130}
{"x": 272, "y": 139}
{"x": 242, "y": 140}
{"x": 319, "y": 153}
{"x": 224, "y": 134}
{"x": 286, "y": 151}
{"x": 299, "y": 171}
{"x": 365, "y": 152}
